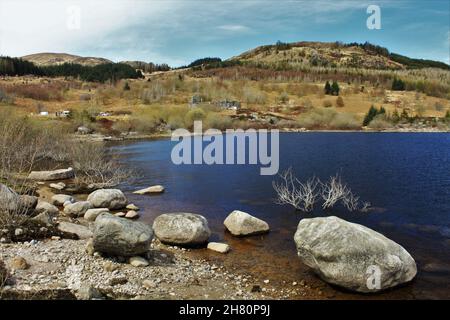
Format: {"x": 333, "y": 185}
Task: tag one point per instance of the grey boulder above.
{"x": 43, "y": 206}
{"x": 240, "y": 223}
{"x": 121, "y": 237}
{"x": 113, "y": 199}
{"x": 352, "y": 256}
{"x": 61, "y": 174}
{"x": 12, "y": 202}
{"x": 61, "y": 199}
{"x": 181, "y": 228}
{"x": 77, "y": 209}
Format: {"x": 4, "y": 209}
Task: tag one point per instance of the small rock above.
{"x": 60, "y": 199}
{"x": 88, "y": 292}
{"x": 92, "y": 214}
{"x": 266, "y": 281}
{"x": 113, "y": 199}
{"x": 90, "y": 247}
{"x": 132, "y": 214}
{"x": 148, "y": 284}
{"x": 219, "y": 247}
{"x": 149, "y": 190}
{"x": 240, "y": 223}
{"x": 117, "y": 281}
{"x": 19, "y": 263}
{"x": 43, "y": 206}
{"x": 18, "y": 232}
{"x": 58, "y": 186}
{"x": 110, "y": 266}
{"x": 120, "y": 214}
{"x": 81, "y": 231}
{"x": 56, "y": 238}
{"x": 77, "y": 209}
{"x": 138, "y": 262}
{"x": 132, "y": 206}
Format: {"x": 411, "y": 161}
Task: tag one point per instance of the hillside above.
{"x": 49, "y": 59}
{"x": 330, "y": 54}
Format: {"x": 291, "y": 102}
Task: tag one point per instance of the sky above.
{"x": 178, "y": 32}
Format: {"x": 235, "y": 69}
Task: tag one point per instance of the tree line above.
{"x": 100, "y": 73}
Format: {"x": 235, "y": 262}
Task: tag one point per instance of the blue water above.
{"x": 405, "y": 176}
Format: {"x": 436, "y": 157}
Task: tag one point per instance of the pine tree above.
{"x": 327, "y": 88}
{"x": 372, "y": 113}
{"x": 404, "y": 115}
{"x": 335, "y": 88}
{"x": 395, "y": 116}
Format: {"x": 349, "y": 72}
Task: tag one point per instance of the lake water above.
{"x": 405, "y": 176}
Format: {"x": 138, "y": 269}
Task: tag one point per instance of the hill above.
{"x": 51, "y": 59}
{"x": 331, "y": 54}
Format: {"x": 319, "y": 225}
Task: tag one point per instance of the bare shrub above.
{"x": 93, "y": 164}
{"x": 380, "y": 123}
{"x": 254, "y": 95}
{"x": 327, "y": 104}
{"x": 302, "y": 196}
{"x": 333, "y": 191}
{"x": 4, "y": 274}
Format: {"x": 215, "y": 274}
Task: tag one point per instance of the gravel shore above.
{"x": 63, "y": 269}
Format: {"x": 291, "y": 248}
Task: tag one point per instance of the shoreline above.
{"x": 156, "y": 136}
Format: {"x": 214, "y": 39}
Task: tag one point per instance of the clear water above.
{"x": 405, "y": 176}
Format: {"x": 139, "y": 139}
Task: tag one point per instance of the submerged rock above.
{"x": 150, "y": 190}
{"x": 219, "y": 247}
{"x": 181, "y": 228}
{"x": 240, "y": 223}
{"x": 352, "y": 256}
{"x": 121, "y": 237}
{"x": 113, "y": 199}
{"x": 61, "y": 174}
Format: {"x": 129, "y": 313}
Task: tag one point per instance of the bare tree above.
{"x": 302, "y": 196}
{"x": 333, "y": 191}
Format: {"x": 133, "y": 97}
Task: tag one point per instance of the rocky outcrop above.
{"x": 121, "y": 237}
{"x": 113, "y": 199}
{"x": 352, "y": 256}
{"x": 181, "y": 228}
{"x": 240, "y": 223}
{"x": 61, "y": 174}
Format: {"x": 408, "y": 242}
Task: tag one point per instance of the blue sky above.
{"x": 178, "y": 32}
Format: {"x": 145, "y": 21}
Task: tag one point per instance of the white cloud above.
{"x": 233, "y": 27}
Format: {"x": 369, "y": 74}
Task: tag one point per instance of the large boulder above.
{"x": 77, "y": 209}
{"x": 240, "y": 223}
{"x": 113, "y": 199}
{"x": 181, "y": 228}
{"x": 12, "y": 202}
{"x": 352, "y": 256}
{"x": 61, "y": 174}
{"x": 121, "y": 237}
